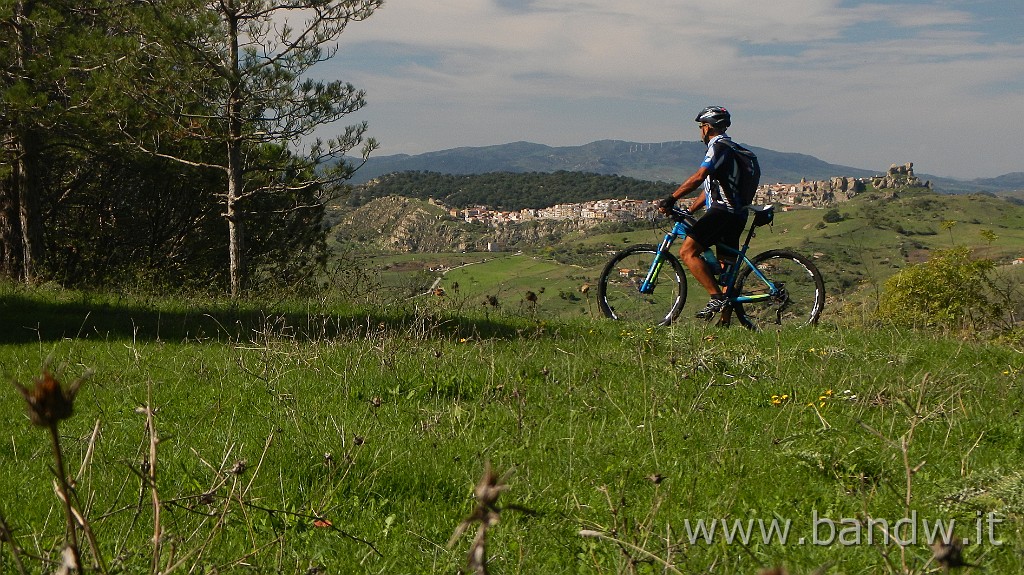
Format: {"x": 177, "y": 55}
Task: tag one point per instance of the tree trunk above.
{"x": 10, "y": 225}
{"x": 236, "y": 224}
{"x": 23, "y": 148}
{"x": 21, "y": 226}
{"x": 27, "y": 193}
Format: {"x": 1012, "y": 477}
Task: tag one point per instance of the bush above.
{"x": 832, "y": 216}
{"x": 951, "y": 290}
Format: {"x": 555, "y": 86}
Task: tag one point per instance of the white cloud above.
{"x": 861, "y": 84}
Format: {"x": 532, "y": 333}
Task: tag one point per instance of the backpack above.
{"x": 749, "y": 172}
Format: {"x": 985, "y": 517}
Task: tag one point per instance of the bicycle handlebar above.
{"x": 682, "y": 215}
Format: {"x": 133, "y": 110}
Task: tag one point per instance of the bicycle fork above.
{"x": 647, "y": 286}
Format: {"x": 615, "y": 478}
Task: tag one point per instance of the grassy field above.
{"x": 310, "y": 437}
{"x": 865, "y": 241}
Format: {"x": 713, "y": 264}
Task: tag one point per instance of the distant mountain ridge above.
{"x": 659, "y": 161}
{"x": 662, "y": 161}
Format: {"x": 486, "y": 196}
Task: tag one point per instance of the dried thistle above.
{"x": 949, "y": 555}
{"x": 486, "y": 514}
{"x": 240, "y": 467}
{"x": 48, "y": 401}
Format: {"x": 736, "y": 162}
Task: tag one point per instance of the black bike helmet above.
{"x": 717, "y": 116}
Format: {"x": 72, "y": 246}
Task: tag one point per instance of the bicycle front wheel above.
{"x": 795, "y": 295}
{"x": 618, "y": 291}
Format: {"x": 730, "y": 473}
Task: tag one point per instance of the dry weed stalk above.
{"x": 641, "y": 532}
{"x": 230, "y": 476}
{"x": 624, "y": 545}
{"x": 149, "y": 468}
{"x": 6, "y": 536}
{"x": 948, "y": 554}
{"x": 49, "y": 403}
{"x": 486, "y": 514}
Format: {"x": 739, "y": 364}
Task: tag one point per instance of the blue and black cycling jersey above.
{"x": 721, "y": 185}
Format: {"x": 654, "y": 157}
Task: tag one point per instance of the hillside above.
{"x": 1014, "y": 181}
{"x": 856, "y": 244}
{"x": 660, "y": 161}
{"x": 865, "y": 240}
{"x": 395, "y": 224}
{"x": 508, "y": 191}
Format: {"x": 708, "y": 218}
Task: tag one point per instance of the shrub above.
{"x": 951, "y": 290}
{"x": 832, "y": 216}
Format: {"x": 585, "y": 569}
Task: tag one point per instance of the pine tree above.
{"x": 248, "y": 95}
{"x": 51, "y": 65}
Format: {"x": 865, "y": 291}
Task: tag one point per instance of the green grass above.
{"x": 510, "y": 278}
{"x": 880, "y": 234}
{"x": 382, "y": 420}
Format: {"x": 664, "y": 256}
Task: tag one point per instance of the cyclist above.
{"x": 724, "y": 215}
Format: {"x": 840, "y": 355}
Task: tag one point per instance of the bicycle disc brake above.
{"x": 782, "y": 298}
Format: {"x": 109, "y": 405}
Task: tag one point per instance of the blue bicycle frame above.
{"x": 727, "y": 279}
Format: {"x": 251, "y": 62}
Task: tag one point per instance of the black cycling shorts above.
{"x": 719, "y": 227}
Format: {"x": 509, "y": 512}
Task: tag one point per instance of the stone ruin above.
{"x": 898, "y": 177}
{"x": 816, "y": 193}
{"x": 822, "y": 193}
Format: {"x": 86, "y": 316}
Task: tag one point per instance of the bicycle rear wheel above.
{"x": 797, "y": 299}
{"x": 618, "y": 291}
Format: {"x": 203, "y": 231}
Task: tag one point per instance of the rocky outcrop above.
{"x": 816, "y": 193}
{"x": 899, "y": 176}
{"x": 822, "y": 193}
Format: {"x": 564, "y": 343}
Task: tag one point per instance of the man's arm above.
{"x": 698, "y": 202}
{"x": 691, "y": 183}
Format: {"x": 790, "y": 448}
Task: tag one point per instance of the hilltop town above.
{"x": 804, "y": 194}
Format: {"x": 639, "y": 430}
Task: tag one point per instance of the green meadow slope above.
{"x": 314, "y": 437}
{"x": 857, "y": 245}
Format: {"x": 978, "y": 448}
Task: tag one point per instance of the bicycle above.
{"x": 774, "y": 287}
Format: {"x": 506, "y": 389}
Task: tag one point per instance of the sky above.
{"x": 865, "y": 84}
